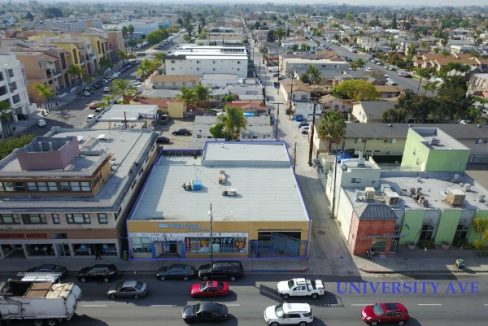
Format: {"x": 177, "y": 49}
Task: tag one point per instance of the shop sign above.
{"x": 179, "y": 226}
{"x": 182, "y": 236}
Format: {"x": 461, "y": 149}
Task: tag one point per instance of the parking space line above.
{"x": 233, "y": 305}
{"x": 94, "y": 305}
{"x": 163, "y": 305}
{"x": 429, "y": 304}
{"x": 359, "y": 304}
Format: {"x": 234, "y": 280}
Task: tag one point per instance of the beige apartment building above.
{"x": 68, "y": 193}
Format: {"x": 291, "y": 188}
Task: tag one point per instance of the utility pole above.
{"x": 291, "y": 95}
{"x": 294, "y": 156}
{"x": 335, "y": 180}
{"x": 277, "y": 119}
{"x": 125, "y": 120}
{"x": 210, "y": 214}
{"x": 312, "y": 135}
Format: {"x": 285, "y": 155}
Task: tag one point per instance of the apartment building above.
{"x": 193, "y": 59}
{"x": 68, "y": 193}
{"x": 328, "y": 68}
{"x": 13, "y": 89}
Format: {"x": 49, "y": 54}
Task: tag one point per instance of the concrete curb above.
{"x": 466, "y": 271}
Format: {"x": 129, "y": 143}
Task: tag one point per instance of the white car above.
{"x": 41, "y": 123}
{"x": 106, "y": 89}
{"x": 304, "y": 130}
{"x": 369, "y": 69}
{"x": 288, "y": 314}
{"x": 90, "y": 117}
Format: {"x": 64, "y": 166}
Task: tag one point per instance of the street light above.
{"x": 210, "y": 215}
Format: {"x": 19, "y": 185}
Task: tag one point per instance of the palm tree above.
{"x": 123, "y": 55}
{"x": 104, "y": 64}
{"x": 124, "y": 88}
{"x": 125, "y": 32}
{"x": 130, "y": 29}
{"x": 331, "y": 126}
{"x": 313, "y": 74}
{"x": 234, "y": 122}
{"x": 105, "y": 101}
{"x": 76, "y": 72}
{"x": 202, "y": 95}
{"x": 360, "y": 63}
{"x": 279, "y": 34}
{"x": 431, "y": 86}
{"x": 424, "y": 74}
{"x": 187, "y": 96}
{"x": 160, "y": 56}
{"x": 5, "y": 116}
{"x": 46, "y": 92}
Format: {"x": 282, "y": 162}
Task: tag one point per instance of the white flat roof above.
{"x": 261, "y": 173}
{"x": 129, "y": 112}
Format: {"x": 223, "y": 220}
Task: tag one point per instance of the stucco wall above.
{"x": 447, "y": 226}
{"x": 412, "y": 224}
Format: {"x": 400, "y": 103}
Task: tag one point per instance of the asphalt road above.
{"x": 401, "y": 81}
{"x": 249, "y": 297}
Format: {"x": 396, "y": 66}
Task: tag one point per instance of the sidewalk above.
{"x": 418, "y": 261}
{"x": 270, "y": 265}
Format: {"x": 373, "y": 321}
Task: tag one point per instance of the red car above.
{"x": 209, "y": 289}
{"x": 385, "y": 313}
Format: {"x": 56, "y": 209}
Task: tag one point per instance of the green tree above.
{"x": 423, "y": 73}
{"x": 160, "y": 56}
{"x": 234, "y": 121}
{"x": 480, "y": 227}
{"x": 359, "y": 63}
{"x": 394, "y": 24}
{"x": 279, "y": 34}
{"x": 130, "y": 30}
{"x": 218, "y": 131}
{"x": 7, "y": 146}
{"x": 5, "y": 117}
{"x": 395, "y": 115}
{"x": 46, "y": 93}
{"x": 187, "y": 96}
{"x": 431, "y": 86}
{"x": 452, "y": 97}
{"x": 358, "y": 90}
{"x": 332, "y": 127}
{"x": 104, "y": 64}
{"x": 202, "y": 95}
{"x": 53, "y": 12}
{"x": 124, "y": 88}
{"x": 76, "y": 72}
{"x": 125, "y": 34}
{"x": 122, "y": 55}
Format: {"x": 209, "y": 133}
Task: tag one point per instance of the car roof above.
{"x": 211, "y": 306}
{"x": 296, "y": 307}
{"x": 129, "y": 284}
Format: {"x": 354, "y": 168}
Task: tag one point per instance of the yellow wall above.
{"x": 176, "y": 109}
{"x": 69, "y": 47}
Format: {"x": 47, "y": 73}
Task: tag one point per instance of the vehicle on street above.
{"x": 41, "y": 123}
{"x": 205, "y": 312}
{"x": 231, "y": 269}
{"x": 43, "y": 303}
{"x": 288, "y": 314}
{"x": 176, "y": 272}
{"x": 209, "y": 289}
{"x": 304, "y": 130}
{"x": 298, "y": 117}
{"x": 162, "y": 140}
{"x": 276, "y": 75}
{"x": 98, "y": 110}
{"x": 300, "y": 287}
{"x": 49, "y": 268}
{"x": 90, "y": 117}
{"x": 302, "y": 124}
{"x": 128, "y": 289}
{"x": 94, "y": 105}
{"x": 464, "y": 122}
{"x": 369, "y": 69}
{"x": 86, "y": 93}
{"x": 391, "y": 82}
{"x": 182, "y": 132}
{"x": 106, "y": 89}
{"x": 385, "y": 313}
{"x": 98, "y": 272}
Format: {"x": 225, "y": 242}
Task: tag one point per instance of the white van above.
{"x": 90, "y": 117}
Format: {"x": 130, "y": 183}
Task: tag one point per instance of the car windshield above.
{"x": 378, "y": 310}
{"x": 139, "y": 285}
{"x": 279, "y": 311}
{"x": 196, "y": 308}
{"x": 118, "y": 286}
{"x": 290, "y": 284}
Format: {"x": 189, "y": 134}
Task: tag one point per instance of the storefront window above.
{"x": 31, "y": 186}
{"x": 141, "y": 245}
{"x": 85, "y": 186}
{"x": 108, "y": 249}
{"x": 52, "y": 186}
{"x": 64, "y": 186}
{"x": 9, "y": 219}
{"x": 40, "y": 249}
{"x": 42, "y": 186}
{"x": 220, "y": 244}
{"x": 75, "y": 186}
{"x": 83, "y": 249}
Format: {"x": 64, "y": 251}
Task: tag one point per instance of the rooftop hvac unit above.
{"x": 229, "y": 193}
{"x": 455, "y": 197}
{"x": 369, "y": 192}
{"x": 222, "y": 177}
{"x": 361, "y": 161}
{"x": 467, "y": 187}
{"x": 435, "y": 142}
{"x": 391, "y": 197}
{"x": 482, "y": 198}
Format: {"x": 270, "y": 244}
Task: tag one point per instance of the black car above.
{"x": 163, "y": 140}
{"x": 205, "y": 312}
{"x": 49, "y": 268}
{"x": 182, "y": 132}
{"x": 98, "y": 272}
{"x": 231, "y": 269}
{"x": 176, "y": 272}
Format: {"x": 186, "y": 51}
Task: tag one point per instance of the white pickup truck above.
{"x": 300, "y": 287}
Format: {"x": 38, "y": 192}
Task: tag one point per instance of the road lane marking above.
{"x": 359, "y": 304}
{"x": 233, "y": 305}
{"x": 486, "y": 304}
{"x": 429, "y": 304}
{"x": 163, "y": 305}
{"x": 94, "y": 305}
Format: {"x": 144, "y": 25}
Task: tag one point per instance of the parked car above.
{"x": 300, "y": 287}
{"x": 106, "y": 89}
{"x": 41, "y": 123}
{"x": 302, "y": 124}
{"x": 231, "y": 269}
{"x": 163, "y": 140}
{"x": 98, "y": 272}
{"x": 182, "y": 132}
{"x": 304, "y": 130}
{"x": 86, "y": 93}
{"x": 388, "y": 313}
{"x": 288, "y": 314}
{"x": 205, "y": 312}
{"x": 209, "y": 289}
{"x": 128, "y": 289}
{"x": 298, "y": 117}
{"x": 90, "y": 117}
{"x": 49, "y": 268}
{"x": 176, "y": 271}
{"x": 276, "y": 75}
{"x": 94, "y": 105}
